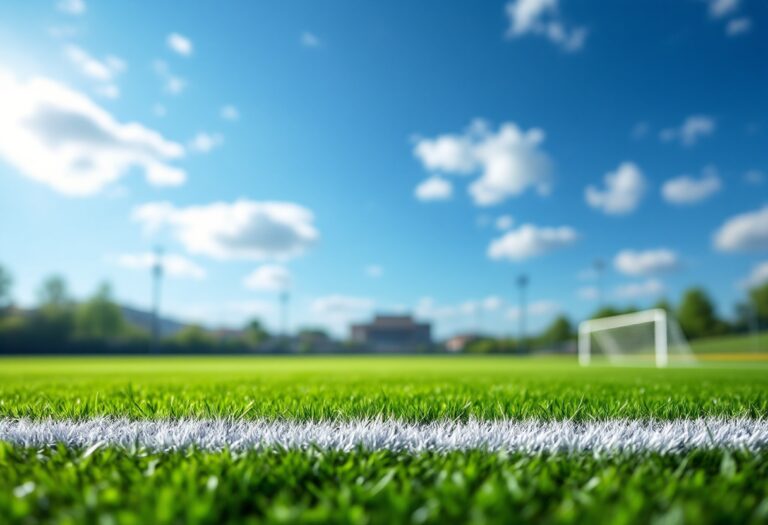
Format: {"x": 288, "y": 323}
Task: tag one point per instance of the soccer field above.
{"x": 380, "y": 440}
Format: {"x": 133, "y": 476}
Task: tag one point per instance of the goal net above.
{"x": 647, "y": 336}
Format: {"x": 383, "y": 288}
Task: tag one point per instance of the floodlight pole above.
{"x": 522, "y": 283}
{"x": 157, "y": 275}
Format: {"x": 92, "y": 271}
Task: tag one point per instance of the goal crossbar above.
{"x": 657, "y": 316}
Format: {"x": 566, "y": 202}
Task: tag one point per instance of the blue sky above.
{"x": 391, "y": 156}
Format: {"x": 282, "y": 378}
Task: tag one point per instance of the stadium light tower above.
{"x": 522, "y": 284}
{"x": 157, "y": 275}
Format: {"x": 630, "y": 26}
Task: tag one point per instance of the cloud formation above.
{"x": 757, "y": 277}
{"x": 205, "y": 142}
{"x": 738, "y": 26}
{"x": 173, "y": 265}
{"x": 179, "y": 44}
{"x": 309, "y": 39}
{"x": 104, "y": 72}
{"x": 230, "y": 113}
{"x": 504, "y": 222}
{"x": 434, "y": 189}
{"x": 374, "y": 271}
{"x": 644, "y": 289}
{"x": 61, "y": 138}
{"x": 71, "y": 7}
{"x": 269, "y": 278}
{"x": 509, "y": 161}
{"x": 529, "y": 241}
{"x": 747, "y": 232}
{"x": 624, "y": 188}
{"x": 648, "y": 262}
{"x": 689, "y": 190}
{"x": 243, "y": 229}
{"x": 172, "y": 83}
{"x": 542, "y": 18}
{"x": 693, "y": 129}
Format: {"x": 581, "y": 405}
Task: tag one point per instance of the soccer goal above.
{"x": 647, "y": 336}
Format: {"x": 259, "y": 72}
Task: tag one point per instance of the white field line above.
{"x": 631, "y": 436}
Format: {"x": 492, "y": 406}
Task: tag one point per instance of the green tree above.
{"x": 254, "y": 333}
{"x": 55, "y": 319}
{"x": 194, "y": 337}
{"x": 100, "y": 317}
{"x": 697, "y": 315}
{"x": 6, "y": 282}
{"x": 759, "y": 298}
{"x": 560, "y": 331}
{"x": 663, "y": 304}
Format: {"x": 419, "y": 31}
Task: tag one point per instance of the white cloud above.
{"x": 529, "y": 241}
{"x": 172, "y": 84}
{"x": 689, "y": 190}
{"x": 588, "y": 293}
{"x": 205, "y": 142}
{"x": 434, "y": 189}
{"x": 754, "y": 177}
{"x": 647, "y": 288}
{"x": 229, "y": 112}
{"x": 624, "y": 188}
{"x": 504, "y": 222}
{"x": 71, "y": 7}
{"x": 509, "y": 161}
{"x": 269, "y": 278}
{"x": 743, "y": 233}
{"x": 690, "y": 131}
{"x": 173, "y": 265}
{"x": 101, "y": 70}
{"x": 648, "y": 262}
{"x": 309, "y": 39}
{"x": 721, "y": 8}
{"x": 757, "y": 277}
{"x": 374, "y": 271}
{"x": 738, "y": 26}
{"x": 243, "y": 229}
{"x": 535, "y": 309}
{"x": 61, "y": 138}
{"x": 492, "y": 303}
{"x": 542, "y": 18}
{"x": 179, "y": 44}
{"x": 110, "y": 91}
{"x": 342, "y": 305}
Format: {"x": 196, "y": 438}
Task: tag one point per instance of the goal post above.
{"x": 641, "y": 335}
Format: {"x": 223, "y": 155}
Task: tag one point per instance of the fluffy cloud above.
{"x": 754, "y": 177}
{"x": 542, "y": 18}
{"x": 269, "y": 278}
{"x": 243, "y": 229}
{"x": 229, "y": 112}
{"x": 179, "y": 44}
{"x": 509, "y": 161}
{"x": 738, "y": 26}
{"x": 434, "y": 189}
{"x": 648, "y": 262}
{"x": 535, "y": 309}
{"x": 531, "y": 241}
{"x": 57, "y": 136}
{"x": 744, "y": 233}
{"x": 101, "y": 70}
{"x": 721, "y": 8}
{"x": 690, "y": 131}
{"x": 342, "y": 305}
{"x": 757, "y": 277}
{"x": 624, "y": 188}
{"x": 588, "y": 293}
{"x": 173, "y": 265}
{"x": 172, "y": 84}
{"x": 71, "y": 7}
{"x": 309, "y": 39}
{"x": 205, "y": 142}
{"x": 689, "y": 190}
{"x": 374, "y": 271}
{"x": 648, "y": 288}
{"x": 504, "y": 222}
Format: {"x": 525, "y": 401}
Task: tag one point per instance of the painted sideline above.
{"x": 442, "y": 436}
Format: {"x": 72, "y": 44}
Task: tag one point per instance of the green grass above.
{"x": 408, "y": 388}
{"x": 108, "y": 486}
{"x": 744, "y": 344}
{"x": 278, "y": 486}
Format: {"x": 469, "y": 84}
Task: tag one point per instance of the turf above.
{"x": 406, "y": 388}
{"x": 107, "y": 485}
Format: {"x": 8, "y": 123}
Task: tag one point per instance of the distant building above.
{"x": 392, "y": 333}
